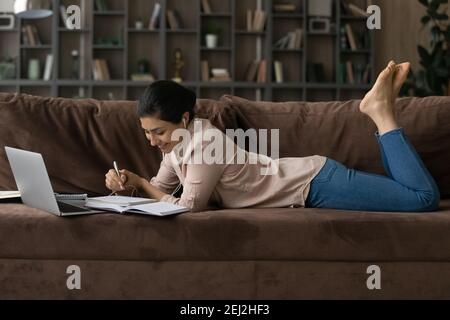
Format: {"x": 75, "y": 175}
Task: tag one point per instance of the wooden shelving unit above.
{"x": 237, "y": 48}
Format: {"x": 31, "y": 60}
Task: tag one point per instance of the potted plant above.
{"x": 433, "y": 79}
{"x": 212, "y": 35}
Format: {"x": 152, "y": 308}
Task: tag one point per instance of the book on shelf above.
{"x": 252, "y": 70}
{"x": 350, "y": 76}
{"x": 220, "y": 74}
{"x": 351, "y": 9}
{"x": 154, "y": 18}
{"x": 351, "y": 37}
{"x": 205, "y": 70}
{"x": 262, "y": 72}
{"x": 259, "y": 20}
{"x": 48, "y": 69}
{"x": 354, "y": 73}
{"x": 278, "y": 71}
{"x": 206, "y": 7}
{"x": 30, "y": 36}
{"x": 174, "y": 19}
{"x": 293, "y": 40}
{"x": 357, "y": 11}
{"x": 284, "y": 7}
{"x": 142, "y": 77}
{"x": 256, "y": 20}
{"x": 101, "y": 70}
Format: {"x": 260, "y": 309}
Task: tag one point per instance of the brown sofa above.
{"x": 253, "y": 253}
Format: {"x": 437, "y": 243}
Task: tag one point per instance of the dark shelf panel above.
{"x": 359, "y": 51}
{"x": 346, "y": 17}
{"x": 34, "y": 83}
{"x": 186, "y": 31}
{"x": 40, "y": 47}
{"x": 288, "y": 15}
{"x": 215, "y": 49}
{"x": 287, "y": 50}
{"x": 216, "y": 15}
{"x": 106, "y": 47}
{"x": 110, "y": 13}
{"x": 74, "y": 31}
{"x": 250, "y": 33}
{"x": 132, "y": 30}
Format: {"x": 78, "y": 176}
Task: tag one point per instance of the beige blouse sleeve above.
{"x": 166, "y": 180}
{"x": 200, "y": 182}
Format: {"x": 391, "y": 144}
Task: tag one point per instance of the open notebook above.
{"x": 153, "y": 208}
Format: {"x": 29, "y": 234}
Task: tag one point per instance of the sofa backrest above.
{"x": 339, "y": 131}
{"x": 79, "y": 139}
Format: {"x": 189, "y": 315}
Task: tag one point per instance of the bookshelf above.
{"x": 313, "y": 71}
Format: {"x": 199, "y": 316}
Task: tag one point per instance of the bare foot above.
{"x": 378, "y": 103}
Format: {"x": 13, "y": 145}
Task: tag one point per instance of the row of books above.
{"x": 284, "y": 7}
{"x": 30, "y": 36}
{"x": 293, "y": 40}
{"x": 214, "y": 74}
{"x": 256, "y": 20}
{"x": 174, "y": 21}
{"x": 206, "y": 7}
{"x": 351, "y": 9}
{"x": 353, "y": 73}
{"x": 257, "y": 71}
{"x": 352, "y": 40}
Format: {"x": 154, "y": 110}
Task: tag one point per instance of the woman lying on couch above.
{"x": 310, "y": 181}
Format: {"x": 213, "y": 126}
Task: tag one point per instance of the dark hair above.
{"x": 167, "y": 100}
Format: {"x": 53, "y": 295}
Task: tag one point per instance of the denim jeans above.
{"x": 408, "y": 187}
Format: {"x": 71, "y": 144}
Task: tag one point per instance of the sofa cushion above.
{"x": 79, "y": 139}
{"x": 339, "y": 131}
{"x": 233, "y": 234}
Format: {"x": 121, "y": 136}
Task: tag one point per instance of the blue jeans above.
{"x": 409, "y": 187}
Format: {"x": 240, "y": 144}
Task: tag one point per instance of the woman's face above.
{"x": 159, "y": 132}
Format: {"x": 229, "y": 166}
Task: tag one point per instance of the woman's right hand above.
{"x": 127, "y": 178}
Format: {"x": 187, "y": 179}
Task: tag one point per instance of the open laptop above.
{"x": 34, "y": 184}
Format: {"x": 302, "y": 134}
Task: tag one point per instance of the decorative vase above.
{"x": 139, "y": 25}
{"x": 211, "y": 41}
{"x": 34, "y": 69}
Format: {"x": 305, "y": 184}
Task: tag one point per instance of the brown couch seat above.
{"x": 247, "y": 234}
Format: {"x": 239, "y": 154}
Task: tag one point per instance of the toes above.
{"x": 401, "y": 73}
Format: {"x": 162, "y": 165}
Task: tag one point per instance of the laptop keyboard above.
{"x": 67, "y": 208}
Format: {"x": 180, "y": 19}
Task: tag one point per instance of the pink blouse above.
{"x": 257, "y": 181}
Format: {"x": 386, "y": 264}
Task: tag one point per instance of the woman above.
{"x": 310, "y": 182}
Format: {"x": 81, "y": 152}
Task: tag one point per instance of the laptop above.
{"x": 34, "y": 185}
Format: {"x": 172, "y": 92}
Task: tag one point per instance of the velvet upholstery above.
{"x": 285, "y": 253}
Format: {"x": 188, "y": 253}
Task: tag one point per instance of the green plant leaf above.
{"x": 425, "y": 19}
{"x": 442, "y": 73}
{"x": 442, "y": 16}
{"x": 424, "y": 3}
{"x": 425, "y": 56}
{"x": 434, "y": 5}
